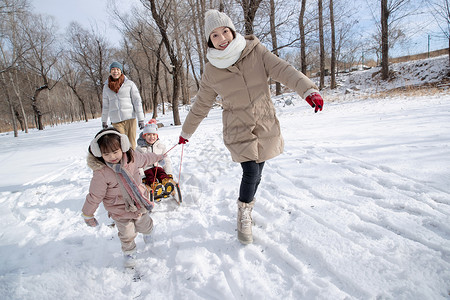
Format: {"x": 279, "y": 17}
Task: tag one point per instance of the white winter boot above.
{"x": 244, "y": 222}
{"x": 148, "y": 237}
{"x": 129, "y": 259}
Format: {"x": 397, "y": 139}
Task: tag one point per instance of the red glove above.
{"x": 315, "y": 100}
{"x": 182, "y": 140}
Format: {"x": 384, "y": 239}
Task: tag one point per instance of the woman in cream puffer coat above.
{"x": 238, "y": 70}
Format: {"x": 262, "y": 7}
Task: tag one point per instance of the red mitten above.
{"x": 316, "y": 101}
{"x": 182, "y": 140}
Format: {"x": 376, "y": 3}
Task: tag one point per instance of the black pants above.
{"x": 251, "y": 177}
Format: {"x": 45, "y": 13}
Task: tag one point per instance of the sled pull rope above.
{"x": 156, "y": 170}
{"x": 181, "y": 160}
{"x": 170, "y": 149}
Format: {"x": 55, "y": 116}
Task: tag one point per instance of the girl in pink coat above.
{"x": 117, "y": 183}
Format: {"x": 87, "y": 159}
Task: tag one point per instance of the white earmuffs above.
{"x": 124, "y": 142}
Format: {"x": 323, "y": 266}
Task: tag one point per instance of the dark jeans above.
{"x": 251, "y": 177}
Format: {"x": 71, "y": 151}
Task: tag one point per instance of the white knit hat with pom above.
{"x": 150, "y": 128}
{"x": 215, "y": 19}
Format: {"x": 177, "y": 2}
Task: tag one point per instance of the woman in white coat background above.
{"x": 122, "y": 103}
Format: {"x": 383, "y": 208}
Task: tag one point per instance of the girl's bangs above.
{"x": 109, "y": 143}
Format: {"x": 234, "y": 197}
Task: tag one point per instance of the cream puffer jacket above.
{"x": 251, "y": 130}
{"x": 125, "y": 105}
{"x": 105, "y": 188}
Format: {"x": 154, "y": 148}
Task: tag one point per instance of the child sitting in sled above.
{"x": 149, "y": 141}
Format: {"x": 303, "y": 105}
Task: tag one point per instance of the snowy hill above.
{"x": 431, "y": 72}
{"x": 357, "y": 207}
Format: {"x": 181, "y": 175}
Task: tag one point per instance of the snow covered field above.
{"x": 357, "y": 207}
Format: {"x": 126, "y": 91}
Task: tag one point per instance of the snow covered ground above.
{"x": 357, "y": 207}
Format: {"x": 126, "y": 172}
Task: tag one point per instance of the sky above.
{"x": 86, "y": 12}
{"x": 89, "y": 12}
{"x": 419, "y": 25}
{"x": 357, "y": 207}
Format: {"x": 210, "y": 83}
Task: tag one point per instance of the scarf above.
{"x": 134, "y": 200}
{"x": 115, "y": 84}
{"x": 224, "y": 58}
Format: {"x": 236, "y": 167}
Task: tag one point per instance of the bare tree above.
{"x": 42, "y": 57}
{"x": 178, "y": 25}
{"x": 384, "y": 40}
{"x": 322, "y": 46}
{"x": 198, "y": 33}
{"x": 441, "y": 9}
{"x": 13, "y": 46}
{"x": 91, "y": 52}
{"x": 301, "y": 25}
{"x": 391, "y": 12}
{"x": 143, "y": 46}
{"x": 333, "y": 48}
{"x": 132, "y": 55}
{"x": 7, "y": 97}
{"x": 249, "y": 7}
{"x": 200, "y": 10}
{"x": 161, "y": 15}
{"x": 189, "y": 62}
{"x": 74, "y": 79}
{"x": 273, "y": 34}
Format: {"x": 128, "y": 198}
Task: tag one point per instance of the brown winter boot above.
{"x": 244, "y": 221}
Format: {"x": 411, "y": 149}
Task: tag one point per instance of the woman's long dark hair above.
{"x": 110, "y": 142}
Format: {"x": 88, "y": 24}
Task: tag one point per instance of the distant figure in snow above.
{"x": 117, "y": 183}
{"x": 122, "y": 103}
{"x": 238, "y": 70}
{"x": 149, "y": 141}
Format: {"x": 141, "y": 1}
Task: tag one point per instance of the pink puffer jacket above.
{"x": 105, "y": 187}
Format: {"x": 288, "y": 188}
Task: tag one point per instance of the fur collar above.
{"x": 94, "y": 163}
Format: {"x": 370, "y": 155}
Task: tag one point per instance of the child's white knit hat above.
{"x": 215, "y": 19}
{"x": 150, "y": 128}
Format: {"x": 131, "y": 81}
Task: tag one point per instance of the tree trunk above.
{"x": 176, "y": 65}
{"x": 187, "y": 95}
{"x": 19, "y": 119}
{"x": 19, "y": 97}
{"x": 100, "y": 71}
{"x": 333, "y": 49}
{"x": 301, "y": 25}
{"x": 11, "y": 107}
{"x": 36, "y": 110}
{"x": 197, "y": 83}
{"x": 155, "y": 83}
{"x": 274, "y": 40}
{"x": 166, "y": 79}
{"x": 249, "y": 8}
{"x": 197, "y": 36}
{"x": 179, "y": 54}
{"x": 322, "y": 47}
{"x": 201, "y": 17}
{"x": 145, "y": 102}
{"x": 82, "y": 102}
{"x": 384, "y": 40}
